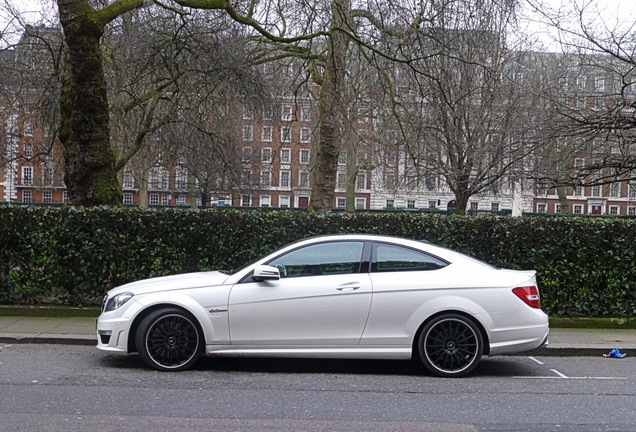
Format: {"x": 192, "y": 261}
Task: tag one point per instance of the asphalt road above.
{"x": 76, "y": 388}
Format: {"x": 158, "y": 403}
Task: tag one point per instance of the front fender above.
{"x": 212, "y": 319}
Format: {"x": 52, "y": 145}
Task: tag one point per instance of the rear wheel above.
{"x": 169, "y": 340}
{"x": 450, "y": 345}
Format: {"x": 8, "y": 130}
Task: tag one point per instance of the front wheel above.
{"x": 450, "y": 345}
{"x": 168, "y": 340}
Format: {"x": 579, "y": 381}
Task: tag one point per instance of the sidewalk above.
{"x": 81, "y": 331}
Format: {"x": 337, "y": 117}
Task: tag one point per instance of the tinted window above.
{"x": 320, "y": 259}
{"x": 390, "y": 258}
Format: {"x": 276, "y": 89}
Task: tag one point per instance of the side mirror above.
{"x": 265, "y": 272}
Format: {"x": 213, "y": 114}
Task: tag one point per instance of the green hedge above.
{"x": 69, "y": 255}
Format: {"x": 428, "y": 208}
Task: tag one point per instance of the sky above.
{"x": 612, "y": 14}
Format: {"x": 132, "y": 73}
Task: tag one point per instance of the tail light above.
{"x": 529, "y": 295}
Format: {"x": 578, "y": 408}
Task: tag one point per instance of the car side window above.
{"x": 390, "y": 258}
{"x": 329, "y": 258}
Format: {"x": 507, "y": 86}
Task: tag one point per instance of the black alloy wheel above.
{"x": 169, "y": 340}
{"x": 450, "y": 345}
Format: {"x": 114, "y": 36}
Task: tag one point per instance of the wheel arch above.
{"x": 478, "y": 323}
{"x": 134, "y": 327}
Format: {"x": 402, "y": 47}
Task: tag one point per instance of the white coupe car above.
{"x": 336, "y": 296}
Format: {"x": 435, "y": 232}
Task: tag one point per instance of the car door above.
{"x": 320, "y": 299}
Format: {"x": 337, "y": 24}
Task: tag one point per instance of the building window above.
{"x": 361, "y": 203}
{"x": 27, "y": 176}
{"x": 246, "y": 200}
{"x": 361, "y": 181}
{"x": 65, "y": 198}
{"x": 578, "y": 209}
{"x": 474, "y": 206}
{"x": 165, "y": 199}
{"x": 305, "y": 135}
{"x": 181, "y": 200}
{"x": 411, "y": 182}
{"x": 285, "y": 179}
{"x": 390, "y": 204}
{"x": 47, "y": 196}
{"x": 341, "y": 181}
{"x": 154, "y": 199}
{"x": 614, "y": 190}
{"x": 285, "y": 134}
{"x": 128, "y": 198}
{"x": 247, "y": 155}
{"x": 631, "y": 211}
{"x": 390, "y": 181}
{"x": 596, "y": 191}
{"x": 266, "y": 155}
{"x": 286, "y": 113}
{"x": 578, "y": 191}
{"x": 432, "y": 204}
{"x": 285, "y": 156}
{"x": 410, "y": 204}
{"x": 266, "y": 178}
{"x": 541, "y": 208}
{"x": 632, "y": 189}
{"x": 303, "y": 179}
{"x": 27, "y": 196}
{"x": 28, "y": 129}
{"x": 557, "y": 208}
{"x": 342, "y": 158}
{"x": 181, "y": 179}
{"x": 248, "y": 133}
{"x": 305, "y": 113}
{"x": 246, "y": 178}
{"x": 268, "y": 112}
{"x": 341, "y": 203}
{"x": 304, "y": 156}
{"x": 266, "y": 201}
{"x": 283, "y": 202}
{"x": 268, "y": 134}
{"x": 158, "y": 179}
{"x": 494, "y": 207}
{"x": 28, "y": 151}
{"x": 129, "y": 179}
{"x": 248, "y": 112}
{"x": 614, "y": 210}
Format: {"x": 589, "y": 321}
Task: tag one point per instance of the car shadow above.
{"x": 488, "y": 366}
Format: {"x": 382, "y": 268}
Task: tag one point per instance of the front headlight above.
{"x": 117, "y": 301}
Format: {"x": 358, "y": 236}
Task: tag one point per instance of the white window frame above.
{"x": 285, "y": 134}
{"x": 128, "y": 198}
{"x": 284, "y": 201}
{"x": 266, "y": 178}
{"x": 285, "y": 155}
{"x": 361, "y": 203}
{"x": 341, "y": 203}
{"x": 285, "y": 179}
{"x": 305, "y": 135}
{"x": 27, "y": 196}
{"x": 305, "y": 113}
{"x": 266, "y": 155}
{"x": 267, "y": 134}
{"x": 248, "y": 133}
{"x": 246, "y": 200}
{"x": 27, "y": 175}
{"x": 265, "y": 201}
{"x": 47, "y": 196}
{"x": 304, "y": 156}
{"x": 286, "y": 113}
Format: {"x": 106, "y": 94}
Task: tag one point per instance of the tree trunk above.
{"x": 89, "y": 160}
{"x": 327, "y": 149}
{"x": 563, "y": 199}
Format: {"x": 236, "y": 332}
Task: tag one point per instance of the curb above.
{"x": 48, "y": 340}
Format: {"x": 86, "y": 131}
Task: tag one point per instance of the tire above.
{"x": 450, "y": 345}
{"x": 169, "y": 340}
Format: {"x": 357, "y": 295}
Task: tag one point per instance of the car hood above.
{"x": 168, "y": 283}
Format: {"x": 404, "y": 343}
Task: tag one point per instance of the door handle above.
{"x": 351, "y": 286}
